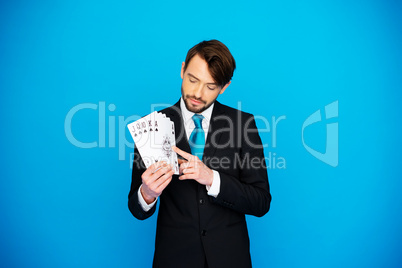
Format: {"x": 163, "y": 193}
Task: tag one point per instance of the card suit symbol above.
{"x": 145, "y": 131}
{"x": 156, "y": 129}
{"x": 150, "y": 129}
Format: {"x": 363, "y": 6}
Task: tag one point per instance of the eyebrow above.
{"x": 194, "y": 77}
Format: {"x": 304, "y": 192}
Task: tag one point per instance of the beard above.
{"x": 203, "y": 106}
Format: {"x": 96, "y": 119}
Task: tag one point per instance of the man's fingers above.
{"x": 187, "y": 177}
{"x": 164, "y": 184}
{"x": 159, "y": 178}
{"x": 158, "y": 166}
{"x": 188, "y": 171}
{"x": 165, "y": 180}
{"x": 160, "y": 172}
{"x": 152, "y": 175}
{"x": 162, "y": 178}
{"x": 181, "y": 161}
{"x": 154, "y": 167}
{"x": 182, "y": 153}
{"x": 186, "y": 165}
{"x": 192, "y": 165}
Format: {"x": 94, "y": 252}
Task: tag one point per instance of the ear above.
{"x": 182, "y": 70}
{"x": 225, "y": 87}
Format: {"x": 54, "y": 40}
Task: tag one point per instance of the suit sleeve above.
{"x": 248, "y": 192}
{"x": 136, "y": 181}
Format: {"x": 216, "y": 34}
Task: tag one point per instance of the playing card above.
{"x": 140, "y": 133}
{"x": 154, "y": 137}
{"x": 164, "y": 140}
{"x": 175, "y": 161}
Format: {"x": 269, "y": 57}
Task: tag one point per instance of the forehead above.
{"x": 198, "y": 67}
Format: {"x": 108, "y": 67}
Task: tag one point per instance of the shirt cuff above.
{"x": 215, "y": 187}
{"x": 142, "y": 202}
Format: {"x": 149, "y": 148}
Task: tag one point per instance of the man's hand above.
{"x": 154, "y": 180}
{"x": 194, "y": 168}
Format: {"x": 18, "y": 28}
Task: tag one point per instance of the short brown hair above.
{"x": 221, "y": 63}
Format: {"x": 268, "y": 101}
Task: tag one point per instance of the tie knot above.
{"x": 197, "y": 118}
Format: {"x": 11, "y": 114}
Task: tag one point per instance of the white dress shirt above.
{"x": 189, "y": 126}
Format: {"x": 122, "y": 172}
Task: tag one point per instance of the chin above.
{"x": 194, "y": 109}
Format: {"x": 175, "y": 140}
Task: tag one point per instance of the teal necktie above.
{"x": 197, "y": 137}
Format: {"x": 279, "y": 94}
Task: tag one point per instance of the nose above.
{"x": 198, "y": 92}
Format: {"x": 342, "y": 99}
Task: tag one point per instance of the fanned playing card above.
{"x": 154, "y": 137}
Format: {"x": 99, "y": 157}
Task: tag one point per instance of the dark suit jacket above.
{"x": 194, "y": 227}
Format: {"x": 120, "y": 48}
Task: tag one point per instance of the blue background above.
{"x": 65, "y": 206}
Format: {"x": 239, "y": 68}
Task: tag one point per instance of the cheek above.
{"x": 187, "y": 86}
{"x": 184, "y": 87}
{"x": 210, "y": 95}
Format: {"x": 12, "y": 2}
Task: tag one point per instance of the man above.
{"x": 201, "y": 221}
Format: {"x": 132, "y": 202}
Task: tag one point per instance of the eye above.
{"x": 192, "y": 80}
{"x": 211, "y": 87}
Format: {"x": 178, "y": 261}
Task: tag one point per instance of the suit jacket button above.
{"x": 203, "y": 232}
{"x": 202, "y": 201}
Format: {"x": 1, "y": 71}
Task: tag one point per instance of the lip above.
{"x": 195, "y": 102}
